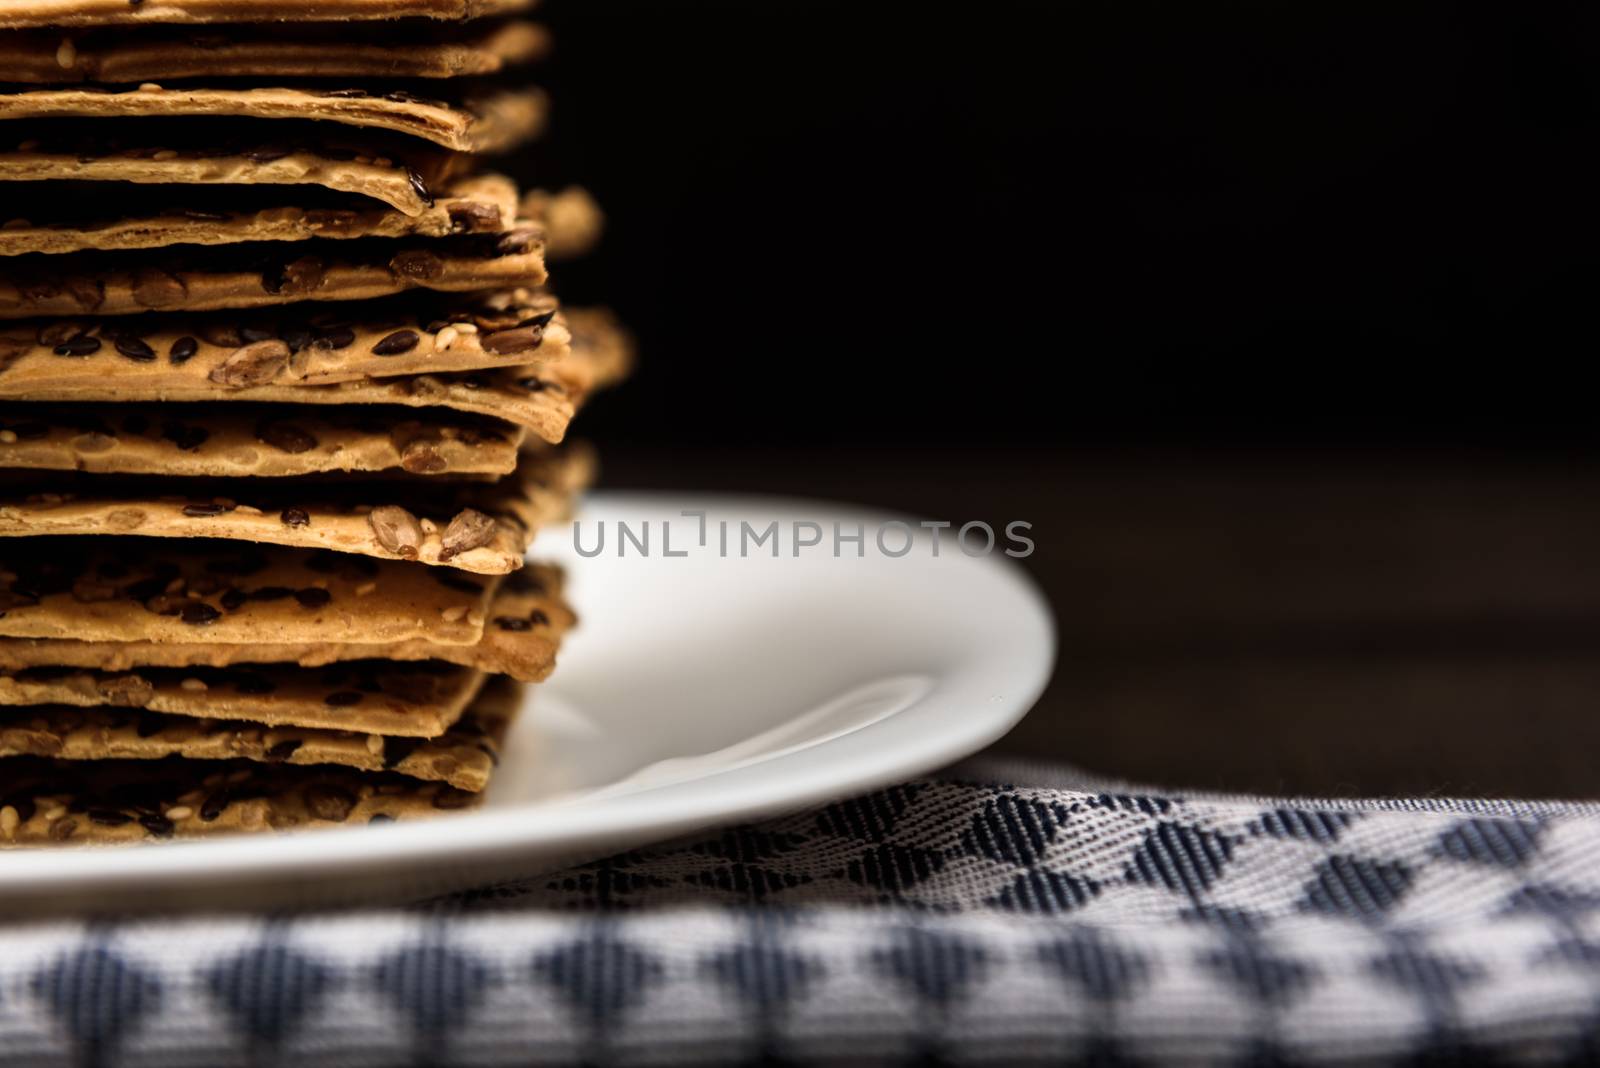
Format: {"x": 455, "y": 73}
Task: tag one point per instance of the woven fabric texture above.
{"x": 957, "y": 919}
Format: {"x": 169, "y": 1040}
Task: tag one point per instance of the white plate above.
{"x": 699, "y": 689}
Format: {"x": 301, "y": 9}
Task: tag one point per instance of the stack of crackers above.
{"x": 282, "y": 392}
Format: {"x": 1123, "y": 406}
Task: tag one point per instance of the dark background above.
{"x": 1038, "y": 222}
{"x": 1264, "y": 314}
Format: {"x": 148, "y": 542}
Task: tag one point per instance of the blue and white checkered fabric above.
{"x": 952, "y": 919}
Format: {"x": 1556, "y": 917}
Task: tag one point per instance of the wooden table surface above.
{"x": 1332, "y": 623}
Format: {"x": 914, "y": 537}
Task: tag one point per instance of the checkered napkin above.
{"x": 992, "y": 916}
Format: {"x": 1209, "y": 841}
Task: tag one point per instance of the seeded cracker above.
{"x": 152, "y": 53}
{"x": 280, "y": 440}
{"x": 572, "y": 220}
{"x": 49, "y": 801}
{"x": 463, "y": 756}
{"x": 526, "y": 620}
{"x": 482, "y": 527}
{"x": 492, "y": 123}
{"x": 312, "y": 344}
{"x": 380, "y": 697}
{"x": 130, "y": 801}
{"x": 395, "y": 170}
{"x": 541, "y": 399}
{"x": 121, "y": 283}
{"x": 71, "y": 216}
{"x": 23, "y": 14}
{"x": 149, "y": 589}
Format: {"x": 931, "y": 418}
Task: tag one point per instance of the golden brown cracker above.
{"x": 26, "y": 14}
{"x": 527, "y": 620}
{"x": 543, "y": 399}
{"x": 155, "y": 53}
{"x": 61, "y": 216}
{"x": 171, "y": 355}
{"x": 420, "y": 699}
{"x": 492, "y": 122}
{"x": 261, "y": 275}
{"x": 572, "y": 220}
{"x": 463, "y": 756}
{"x": 59, "y": 802}
{"x": 124, "y": 589}
{"x": 275, "y": 440}
{"x": 476, "y": 526}
{"x": 400, "y": 171}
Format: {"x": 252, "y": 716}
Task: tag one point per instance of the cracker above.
{"x": 400, "y": 171}
{"x": 463, "y": 756}
{"x": 541, "y": 399}
{"x": 605, "y": 345}
{"x": 304, "y": 50}
{"x": 49, "y": 802}
{"x": 495, "y": 122}
{"x": 169, "y": 439}
{"x": 527, "y": 620}
{"x": 124, "y": 589}
{"x": 572, "y": 220}
{"x": 260, "y": 275}
{"x": 65, "y": 217}
{"x": 417, "y": 700}
{"x": 59, "y": 802}
{"x": 481, "y": 527}
{"x": 24, "y": 14}
{"x": 170, "y": 355}
{"x": 46, "y": 802}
